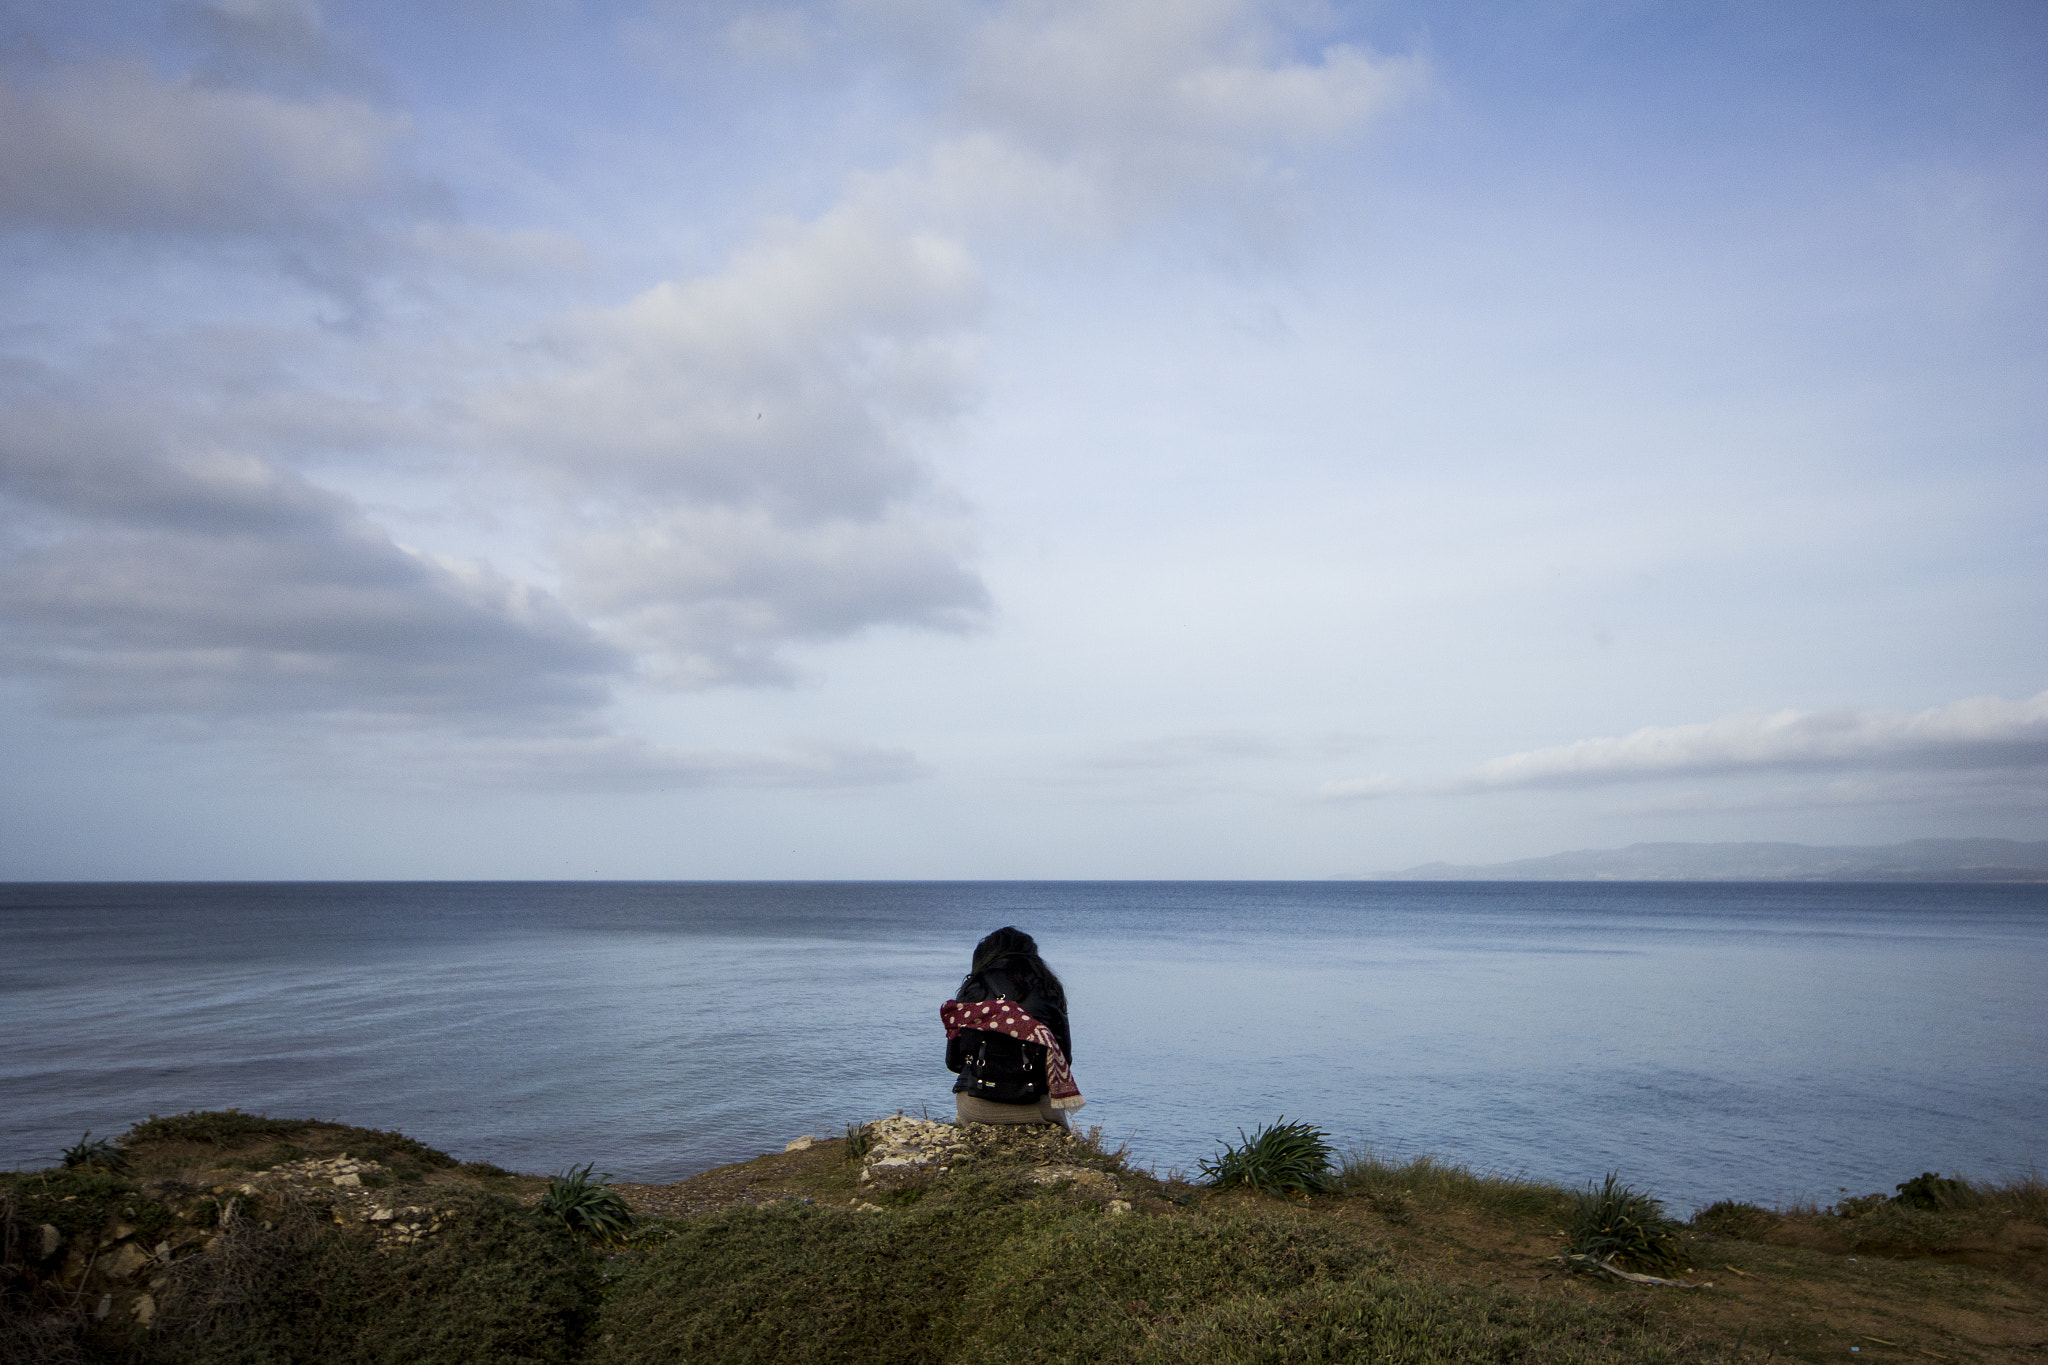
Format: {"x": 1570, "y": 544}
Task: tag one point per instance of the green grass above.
{"x": 1282, "y": 1158}
{"x": 496, "y": 1285}
{"x": 585, "y": 1205}
{"x": 1734, "y": 1218}
{"x": 1618, "y": 1223}
{"x": 979, "y": 1268}
{"x": 407, "y": 1157}
{"x": 102, "y": 1154}
{"x": 78, "y": 1200}
{"x": 217, "y": 1126}
{"x": 1929, "y": 1216}
{"x": 1390, "y": 1184}
{"x": 984, "y": 1277}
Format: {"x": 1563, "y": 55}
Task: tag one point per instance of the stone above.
{"x": 1117, "y": 1208}
{"x": 1082, "y": 1177}
{"x": 103, "y": 1307}
{"x": 802, "y": 1144}
{"x": 51, "y": 1240}
{"x": 120, "y": 1231}
{"x": 350, "y": 1181}
{"x": 145, "y": 1310}
{"x": 125, "y": 1262}
{"x": 381, "y": 1215}
{"x": 902, "y": 1146}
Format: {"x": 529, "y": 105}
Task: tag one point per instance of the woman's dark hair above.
{"x": 1017, "y": 953}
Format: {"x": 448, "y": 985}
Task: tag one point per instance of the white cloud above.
{"x": 714, "y": 594}
{"x": 139, "y": 577}
{"x": 748, "y": 452}
{"x": 1988, "y": 735}
{"x": 112, "y": 146}
{"x": 744, "y": 452}
{"x": 1980, "y": 732}
{"x": 598, "y": 761}
{"x": 1185, "y": 88}
{"x": 719, "y": 468}
{"x": 797, "y": 379}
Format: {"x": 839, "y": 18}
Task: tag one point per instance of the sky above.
{"x": 1014, "y": 438}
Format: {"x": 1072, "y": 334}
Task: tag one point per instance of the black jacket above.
{"x": 998, "y": 982}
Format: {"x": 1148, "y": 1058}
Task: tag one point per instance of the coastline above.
{"x": 199, "y": 1233}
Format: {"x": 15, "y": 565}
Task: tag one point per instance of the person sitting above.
{"x": 1007, "y": 1037}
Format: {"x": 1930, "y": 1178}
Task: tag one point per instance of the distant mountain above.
{"x": 1920, "y": 860}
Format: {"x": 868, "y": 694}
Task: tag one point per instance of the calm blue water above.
{"x": 1767, "y": 1042}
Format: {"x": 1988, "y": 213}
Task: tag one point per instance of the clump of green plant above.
{"x": 586, "y": 1204}
{"x": 859, "y": 1141}
{"x": 1282, "y": 1158}
{"x": 1734, "y": 1218}
{"x": 1932, "y": 1192}
{"x": 217, "y": 1126}
{"x": 95, "y": 1154}
{"x": 1623, "y": 1226}
{"x": 80, "y": 1199}
{"x": 394, "y": 1149}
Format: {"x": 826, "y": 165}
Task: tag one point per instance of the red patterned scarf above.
{"x": 1004, "y": 1016}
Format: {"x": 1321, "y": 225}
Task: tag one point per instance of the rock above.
{"x": 802, "y": 1144}
{"x": 867, "y": 1208}
{"x": 121, "y": 1230}
{"x": 381, "y": 1215}
{"x": 1117, "y": 1208}
{"x": 51, "y": 1240}
{"x": 350, "y": 1181}
{"x": 125, "y": 1262}
{"x": 903, "y": 1146}
{"x": 103, "y": 1307}
{"x": 1082, "y": 1177}
{"x": 145, "y": 1310}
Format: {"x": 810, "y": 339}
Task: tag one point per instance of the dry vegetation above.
{"x": 227, "y": 1238}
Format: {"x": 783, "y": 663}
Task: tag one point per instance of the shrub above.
{"x": 1733, "y": 1218}
{"x": 1620, "y": 1224}
{"x": 88, "y": 1154}
{"x": 1283, "y": 1158}
{"x": 495, "y": 1285}
{"x": 1934, "y": 1193}
{"x": 392, "y": 1148}
{"x": 80, "y": 1199}
{"x": 859, "y": 1141}
{"x": 586, "y": 1204}
{"x": 212, "y": 1125}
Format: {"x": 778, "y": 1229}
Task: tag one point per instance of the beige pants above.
{"x": 974, "y": 1109}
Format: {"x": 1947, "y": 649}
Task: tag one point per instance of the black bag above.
{"x": 1002, "y": 1069}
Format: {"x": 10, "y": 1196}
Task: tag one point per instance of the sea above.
{"x": 1779, "y": 1043}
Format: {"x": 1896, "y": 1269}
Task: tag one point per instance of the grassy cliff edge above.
{"x": 225, "y": 1237}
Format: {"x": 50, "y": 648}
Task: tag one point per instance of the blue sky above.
{"x": 889, "y": 439}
